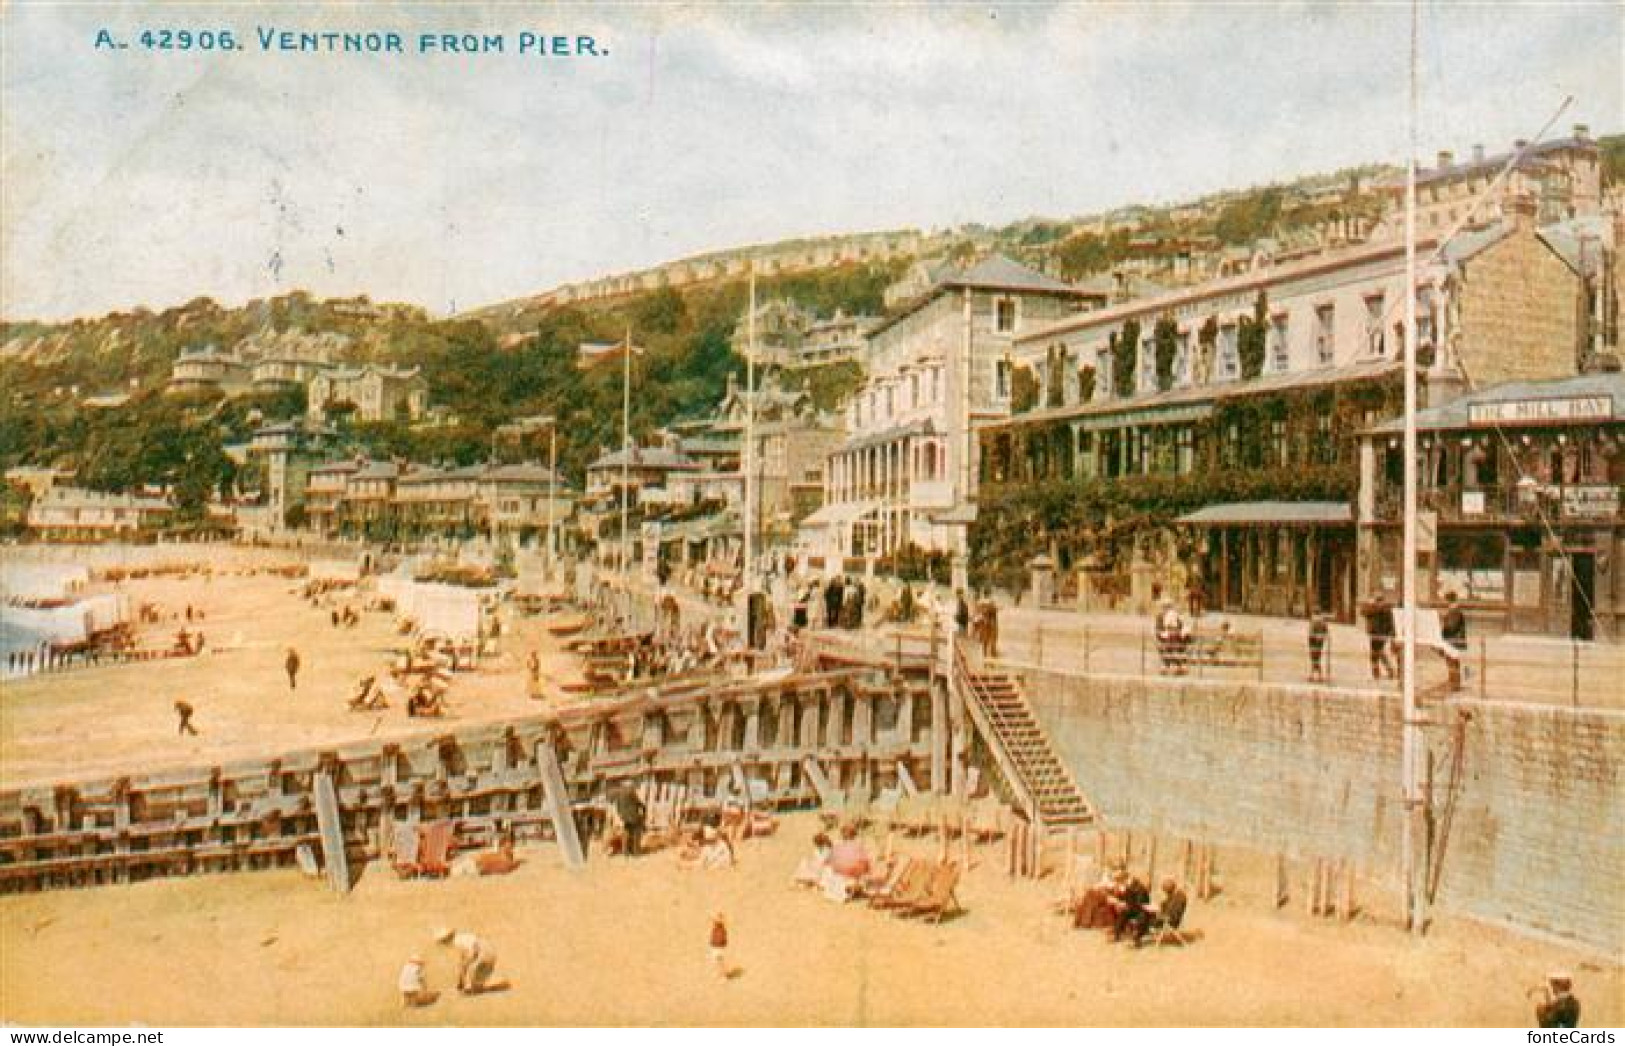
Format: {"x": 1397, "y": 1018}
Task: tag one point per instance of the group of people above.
{"x": 841, "y": 869}
{"x": 476, "y": 969}
{"x": 1382, "y": 635}
{"x": 1121, "y": 904}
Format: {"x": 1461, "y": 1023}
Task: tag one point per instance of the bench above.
{"x": 1227, "y": 650}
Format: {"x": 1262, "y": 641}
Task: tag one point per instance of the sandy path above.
{"x": 116, "y": 718}
{"x": 623, "y": 942}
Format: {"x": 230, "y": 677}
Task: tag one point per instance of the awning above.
{"x": 1149, "y": 416}
{"x": 1292, "y": 513}
{"x": 839, "y": 513}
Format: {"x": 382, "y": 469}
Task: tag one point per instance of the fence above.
{"x": 1573, "y": 673}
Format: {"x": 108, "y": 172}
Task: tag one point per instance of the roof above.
{"x": 646, "y": 458}
{"x": 1579, "y": 241}
{"x": 1207, "y": 395}
{"x": 1457, "y": 414}
{"x": 1488, "y": 164}
{"x": 1304, "y": 513}
{"x": 521, "y": 474}
{"x": 998, "y": 272}
{"x": 377, "y": 470}
{"x": 1328, "y": 261}
{"x": 874, "y": 439}
{"x": 840, "y": 512}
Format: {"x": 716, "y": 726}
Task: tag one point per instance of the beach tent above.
{"x": 446, "y": 611}
{"x": 105, "y": 611}
{"x": 59, "y": 625}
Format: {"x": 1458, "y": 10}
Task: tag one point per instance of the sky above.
{"x": 148, "y": 177}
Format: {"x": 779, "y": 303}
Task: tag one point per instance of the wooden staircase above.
{"x": 1041, "y": 784}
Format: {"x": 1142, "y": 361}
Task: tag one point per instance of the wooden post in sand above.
{"x": 1345, "y": 900}
{"x": 1282, "y": 892}
{"x": 330, "y": 824}
{"x": 559, "y": 808}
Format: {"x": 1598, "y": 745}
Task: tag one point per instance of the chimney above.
{"x": 1478, "y": 154}
{"x": 1446, "y": 159}
{"x": 1582, "y": 132}
{"x": 1519, "y": 144}
{"x": 1522, "y": 209}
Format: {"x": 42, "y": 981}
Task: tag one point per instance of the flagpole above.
{"x": 626, "y": 450}
{"x": 748, "y": 461}
{"x": 1414, "y": 752}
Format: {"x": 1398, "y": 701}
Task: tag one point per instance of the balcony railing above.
{"x": 1454, "y": 503}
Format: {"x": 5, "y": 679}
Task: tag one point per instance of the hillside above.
{"x": 482, "y": 373}
{"x": 88, "y": 395}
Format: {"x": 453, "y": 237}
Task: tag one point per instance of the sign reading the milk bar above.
{"x": 1573, "y": 408}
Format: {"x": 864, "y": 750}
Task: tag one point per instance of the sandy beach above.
{"x": 93, "y": 721}
{"x": 624, "y": 942}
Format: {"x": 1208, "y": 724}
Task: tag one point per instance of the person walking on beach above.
{"x": 719, "y": 944}
{"x": 291, "y": 665}
{"x": 184, "y": 711}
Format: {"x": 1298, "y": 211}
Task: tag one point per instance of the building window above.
{"x": 1278, "y": 442}
{"x": 1148, "y": 364}
{"x": 1325, "y": 448}
{"x": 1325, "y": 317}
{"x": 1184, "y": 450}
{"x": 1001, "y": 380}
{"x": 1004, "y": 315}
{"x": 1424, "y": 319}
{"x": 1278, "y": 350}
{"x": 1229, "y": 359}
{"x": 1375, "y": 336}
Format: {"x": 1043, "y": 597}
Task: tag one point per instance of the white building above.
{"x": 904, "y": 475}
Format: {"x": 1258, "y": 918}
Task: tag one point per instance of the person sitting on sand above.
{"x": 414, "y": 989}
{"x": 1129, "y": 905}
{"x": 849, "y": 862}
{"x": 498, "y": 862}
{"x": 810, "y": 872}
{"x": 715, "y": 850}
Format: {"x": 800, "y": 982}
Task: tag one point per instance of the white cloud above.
{"x": 141, "y": 178}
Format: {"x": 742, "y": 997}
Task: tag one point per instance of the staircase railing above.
{"x": 979, "y": 707}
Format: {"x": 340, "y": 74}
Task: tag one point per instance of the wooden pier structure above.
{"x": 848, "y": 726}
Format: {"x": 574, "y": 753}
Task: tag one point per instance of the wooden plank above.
{"x": 820, "y": 782}
{"x": 559, "y": 807}
{"x": 330, "y": 824}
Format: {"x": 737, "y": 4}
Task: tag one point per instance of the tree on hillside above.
{"x": 1248, "y": 217}
{"x": 1165, "y": 337}
{"x": 1125, "y": 350}
{"x": 1251, "y": 338}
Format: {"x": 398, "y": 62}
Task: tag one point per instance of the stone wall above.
{"x": 1520, "y": 313}
{"x": 1535, "y": 839}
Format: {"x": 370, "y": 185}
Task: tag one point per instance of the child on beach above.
{"x": 719, "y": 944}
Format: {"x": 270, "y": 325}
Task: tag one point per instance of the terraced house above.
{"x": 903, "y": 478}
{"x": 1207, "y": 438}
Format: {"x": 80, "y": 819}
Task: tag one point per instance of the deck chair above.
{"x": 899, "y": 871}
{"x": 405, "y": 856}
{"x": 910, "y": 887}
{"x": 434, "y": 849}
{"x": 940, "y": 896}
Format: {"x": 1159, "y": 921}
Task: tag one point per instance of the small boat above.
{"x": 568, "y": 626}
